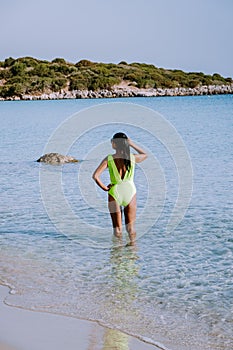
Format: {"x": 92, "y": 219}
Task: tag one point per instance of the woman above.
{"x": 121, "y": 190}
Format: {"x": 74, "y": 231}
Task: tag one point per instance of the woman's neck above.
{"x": 118, "y": 154}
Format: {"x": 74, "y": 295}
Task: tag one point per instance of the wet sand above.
{"x": 22, "y": 329}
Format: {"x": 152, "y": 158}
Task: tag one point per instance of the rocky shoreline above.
{"x": 127, "y": 91}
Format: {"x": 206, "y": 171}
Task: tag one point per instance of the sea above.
{"x": 173, "y": 288}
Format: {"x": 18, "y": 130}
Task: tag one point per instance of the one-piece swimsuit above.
{"x": 122, "y": 190}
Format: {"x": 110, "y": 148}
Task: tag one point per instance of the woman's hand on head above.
{"x": 141, "y": 153}
{"x": 129, "y": 141}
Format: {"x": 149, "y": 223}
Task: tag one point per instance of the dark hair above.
{"x": 121, "y": 141}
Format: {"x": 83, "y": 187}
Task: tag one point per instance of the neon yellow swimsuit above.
{"x": 124, "y": 189}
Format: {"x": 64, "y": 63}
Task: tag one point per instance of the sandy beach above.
{"x": 28, "y": 330}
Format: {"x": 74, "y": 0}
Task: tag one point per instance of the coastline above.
{"x": 126, "y": 91}
{"x": 32, "y": 330}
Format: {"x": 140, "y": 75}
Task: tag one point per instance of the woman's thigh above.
{"x": 115, "y": 212}
{"x": 130, "y": 211}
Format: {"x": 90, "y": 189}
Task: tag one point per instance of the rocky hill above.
{"x": 30, "y": 78}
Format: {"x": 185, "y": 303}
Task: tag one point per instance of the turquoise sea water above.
{"x": 175, "y": 289}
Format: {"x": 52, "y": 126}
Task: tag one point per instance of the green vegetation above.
{"x": 28, "y": 75}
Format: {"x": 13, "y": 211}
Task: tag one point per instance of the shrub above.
{"x": 28, "y": 61}
{"x": 207, "y": 80}
{"x": 59, "y": 61}
{"x": 8, "y": 62}
{"x": 78, "y": 83}
{"x": 42, "y": 70}
{"x": 61, "y": 68}
{"x": 58, "y": 84}
{"x": 9, "y": 90}
{"x": 84, "y": 63}
{"x": 217, "y": 76}
{"x": 123, "y": 63}
{"x": 102, "y": 82}
{"x": 17, "y": 69}
{"x": 193, "y": 83}
{"x": 5, "y": 74}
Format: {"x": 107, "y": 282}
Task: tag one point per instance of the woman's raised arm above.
{"x": 142, "y": 155}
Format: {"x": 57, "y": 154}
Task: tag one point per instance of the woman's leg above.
{"x": 116, "y": 216}
{"x": 130, "y": 218}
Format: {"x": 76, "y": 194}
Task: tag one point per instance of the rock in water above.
{"x": 56, "y": 158}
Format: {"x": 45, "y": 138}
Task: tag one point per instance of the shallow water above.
{"x": 172, "y": 288}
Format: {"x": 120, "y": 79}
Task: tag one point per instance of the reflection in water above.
{"x": 116, "y": 340}
{"x": 121, "y": 290}
{"x": 124, "y": 272}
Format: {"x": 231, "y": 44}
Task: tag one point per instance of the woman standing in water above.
{"x": 121, "y": 190}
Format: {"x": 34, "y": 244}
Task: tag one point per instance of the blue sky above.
{"x": 176, "y": 34}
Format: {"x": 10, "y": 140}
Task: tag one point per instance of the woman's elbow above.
{"x": 144, "y": 157}
{"x": 95, "y": 176}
